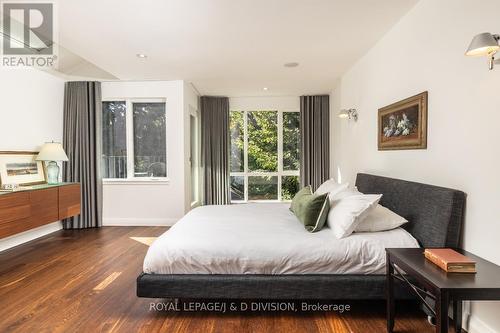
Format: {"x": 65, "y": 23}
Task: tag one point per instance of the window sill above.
{"x": 137, "y": 181}
{"x": 259, "y": 201}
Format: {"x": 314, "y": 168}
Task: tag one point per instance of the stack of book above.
{"x": 450, "y": 261}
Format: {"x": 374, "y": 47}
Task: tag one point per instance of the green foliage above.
{"x": 149, "y": 139}
{"x": 291, "y": 140}
{"x": 237, "y": 142}
{"x": 263, "y": 141}
{"x": 262, "y": 156}
{"x": 262, "y": 188}
{"x": 289, "y": 186}
{"x": 113, "y": 121}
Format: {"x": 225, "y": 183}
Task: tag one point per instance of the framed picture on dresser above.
{"x": 403, "y": 125}
{"x": 21, "y": 168}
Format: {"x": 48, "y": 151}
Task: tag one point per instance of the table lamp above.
{"x": 52, "y": 152}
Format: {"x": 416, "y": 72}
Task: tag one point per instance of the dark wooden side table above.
{"x": 426, "y": 279}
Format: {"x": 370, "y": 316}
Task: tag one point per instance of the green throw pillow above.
{"x": 310, "y": 209}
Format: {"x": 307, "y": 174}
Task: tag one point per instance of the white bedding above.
{"x": 265, "y": 238}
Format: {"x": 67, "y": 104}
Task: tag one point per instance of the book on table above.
{"x": 450, "y": 260}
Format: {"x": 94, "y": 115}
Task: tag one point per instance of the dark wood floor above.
{"x": 79, "y": 281}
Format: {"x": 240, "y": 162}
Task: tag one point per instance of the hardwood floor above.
{"x": 82, "y": 281}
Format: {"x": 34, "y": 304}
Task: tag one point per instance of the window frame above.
{"x": 195, "y": 161}
{"x": 129, "y": 136}
{"x": 279, "y": 173}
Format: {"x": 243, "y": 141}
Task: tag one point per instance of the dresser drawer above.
{"x": 14, "y": 206}
{"x": 44, "y": 207}
{"x": 37, "y": 206}
{"x": 69, "y": 201}
{"x": 14, "y": 227}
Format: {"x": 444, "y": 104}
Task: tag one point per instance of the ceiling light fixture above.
{"x": 265, "y": 88}
{"x": 485, "y": 44}
{"x": 141, "y": 56}
{"x": 291, "y": 64}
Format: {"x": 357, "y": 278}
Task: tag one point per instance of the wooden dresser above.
{"x": 38, "y": 205}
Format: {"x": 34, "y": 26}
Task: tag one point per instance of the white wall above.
{"x": 157, "y": 203}
{"x": 31, "y": 113}
{"x": 425, "y": 51}
{"x": 191, "y": 107}
{"x": 285, "y": 103}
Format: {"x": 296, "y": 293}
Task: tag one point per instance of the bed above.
{"x": 261, "y": 251}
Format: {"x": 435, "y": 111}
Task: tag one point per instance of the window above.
{"x": 134, "y": 139}
{"x": 150, "y": 140}
{"x": 114, "y": 140}
{"x": 264, "y": 159}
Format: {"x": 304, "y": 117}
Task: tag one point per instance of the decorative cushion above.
{"x": 380, "y": 219}
{"x": 347, "y": 192}
{"x": 310, "y": 209}
{"x": 331, "y": 186}
{"x": 347, "y": 212}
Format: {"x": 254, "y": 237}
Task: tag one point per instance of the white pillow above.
{"x": 331, "y": 186}
{"x": 344, "y": 193}
{"x": 345, "y": 214}
{"x": 380, "y": 219}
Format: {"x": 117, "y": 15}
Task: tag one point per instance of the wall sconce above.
{"x": 349, "y": 113}
{"x": 485, "y": 44}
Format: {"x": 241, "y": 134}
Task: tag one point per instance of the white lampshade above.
{"x": 52, "y": 151}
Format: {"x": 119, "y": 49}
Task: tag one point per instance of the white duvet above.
{"x": 265, "y": 238}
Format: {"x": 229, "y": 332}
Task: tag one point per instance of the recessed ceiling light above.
{"x": 141, "y": 55}
{"x": 265, "y": 88}
{"x": 291, "y": 64}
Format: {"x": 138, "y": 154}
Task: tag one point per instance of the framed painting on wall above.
{"x": 403, "y": 125}
{"x": 21, "y": 168}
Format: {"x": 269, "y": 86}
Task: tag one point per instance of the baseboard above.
{"x": 29, "y": 235}
{"x": 138, "y": 222}
{"x": 476, "y": 325}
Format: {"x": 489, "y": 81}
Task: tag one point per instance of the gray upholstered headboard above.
{"x": 435, "y": 214}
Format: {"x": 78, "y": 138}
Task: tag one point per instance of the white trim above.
{"x": 139, "y": 222}
{"x": 147, "y": 100}
{"x": 194, "y": 161}
{"x": 29, "y": 235}
{"x": 258, "y": 201}
{"x": 275, "y": 173}
{"x": 118, "y": 99}
{"x": 136, "y": 181}
{"x": 134, "y": 99}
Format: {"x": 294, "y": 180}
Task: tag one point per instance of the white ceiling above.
{"x": 228, "y": 47}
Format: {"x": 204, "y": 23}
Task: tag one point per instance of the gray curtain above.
{"x": 315, "y": 140}
{"x": 81, "y": 141}
{"x": 215, "y": 150}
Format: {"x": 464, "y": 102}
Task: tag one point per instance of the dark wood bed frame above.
{"x": 435, "y": 216}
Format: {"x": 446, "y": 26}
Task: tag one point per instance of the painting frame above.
{"x": 26, "y": 175}
{"x": 415, "y": 136}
